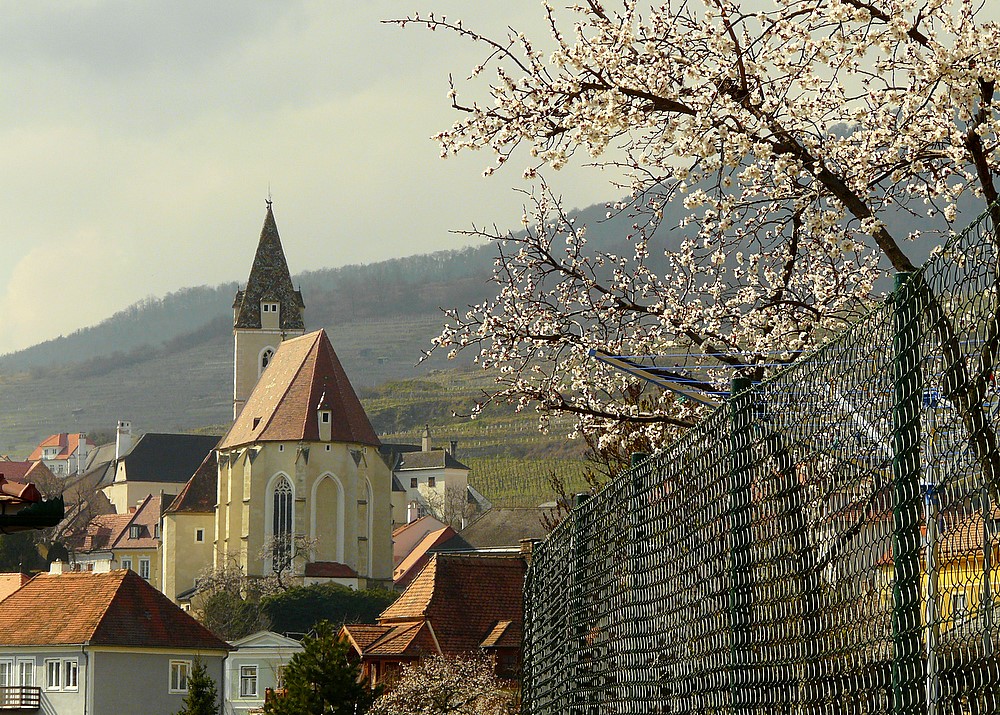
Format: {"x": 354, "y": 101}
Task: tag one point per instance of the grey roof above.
{"x": 167, "y": 457}
{"x": 499, "y": 528}
{"x": 269, "y": 280}
{"x": 401, "y": 457}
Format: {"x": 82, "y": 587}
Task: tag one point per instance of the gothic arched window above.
{"x": 281, "y": 524}
{"x": 265, "y": 359}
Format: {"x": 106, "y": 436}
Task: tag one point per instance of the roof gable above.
{"x": 266, "y": 639}
{"x": 303, "y": 377}
{"x": 269, "y": 280}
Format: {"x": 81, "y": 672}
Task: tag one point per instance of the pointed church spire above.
{"x": 269, "y": 283}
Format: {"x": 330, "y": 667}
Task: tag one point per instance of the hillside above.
{"x": 166, "y": 363}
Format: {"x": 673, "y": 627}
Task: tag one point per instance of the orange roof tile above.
{"x": 67, "y": 443}
{"x": 410, "y": 566}
{"x": 114, "y": 609}
{"x": 303, "y": 377}
{"x": 463, "y": 596}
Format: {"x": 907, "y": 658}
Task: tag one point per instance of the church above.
{"x": 301, "y": 491}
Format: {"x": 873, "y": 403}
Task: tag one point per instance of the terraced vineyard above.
{"x": 511, "y": 461}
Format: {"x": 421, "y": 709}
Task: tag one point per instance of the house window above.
{"x": 134, "y": 531}
{"x": 69, "y": 675}
{"x": 53, "y": 671}
{"x": 144, "y": 568}
{"x": 179, "y": 671}
{"x": 326, "y": 417}
{"x": 199, "y": 535}
{"x": 281, "y": 524}
{"x": 248, "y": 681}
{"x": 26, "y": 672}
{"x": 413, "y": 482}
{"x": 126, "y": 562}
{"x": 431, "y": 481}
{"x": 6, "y": 672}
{"x": 279, "y": 678}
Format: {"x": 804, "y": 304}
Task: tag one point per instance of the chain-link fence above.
{"x": 824, "y": 543}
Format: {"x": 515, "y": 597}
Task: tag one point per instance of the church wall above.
{"x": 330, "y": 504}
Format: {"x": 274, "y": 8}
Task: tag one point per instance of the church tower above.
{"x": 266, "y": 312}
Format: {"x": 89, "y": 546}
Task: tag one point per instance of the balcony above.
{"x": 20, "y": 697}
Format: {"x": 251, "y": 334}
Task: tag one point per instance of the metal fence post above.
{"x": 907, "y": 666}
{"x": 741, "y": 538}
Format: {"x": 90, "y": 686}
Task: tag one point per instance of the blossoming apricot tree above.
{"x": 790, "y": 131}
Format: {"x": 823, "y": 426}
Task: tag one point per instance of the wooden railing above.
{"x": 20, "y": 697}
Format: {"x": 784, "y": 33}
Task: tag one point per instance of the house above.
{"x": 459, "y": 603}
{"x": 255, "y": 666}
{"x": 435, "y": 482}
{"x": 302, "y": 488}
{"x": 188, "y": 526}
{"x": 100, "y": 644}
{"x": 155, "y": 463}
{"x": 63, "y": 453}
{"x": 122, "y": 541}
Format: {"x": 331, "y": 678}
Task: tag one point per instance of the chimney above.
{"x": 425, "y": 439}
{"x": 123, "y": 439}
{"x": 56, "y": 567}
{"x": 454, "y": 448}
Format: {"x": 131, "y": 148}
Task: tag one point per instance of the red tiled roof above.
{"x": 199, "y": 494}
{"x": 67, "y": 443}
{"x": 329, "y": 569}
{"x": 15, "y": 470}
{"x": 112, "y": 609}
{"x": 114, "y": 531}
{"x": 303, "y": 377}
{"x": 410, "y": 566}
{"x": 411, "y": 640}
{"x": 463, "y": 596}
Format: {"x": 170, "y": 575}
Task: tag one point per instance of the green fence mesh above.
{"x": 825, "y": 542}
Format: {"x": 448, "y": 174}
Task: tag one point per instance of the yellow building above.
{"x": 189, "y": 533}
{"x": 302, "y": 488}
{"x": 296, "y": 487}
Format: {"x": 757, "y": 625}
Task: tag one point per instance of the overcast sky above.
{"x": 139, "y": 140}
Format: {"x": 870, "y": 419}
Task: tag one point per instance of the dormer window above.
{"x": 269, "y": 314}
{"x": 325, "y": 418}
{"x": 134, "y": 531}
